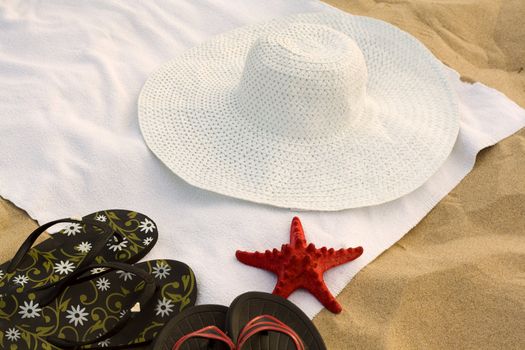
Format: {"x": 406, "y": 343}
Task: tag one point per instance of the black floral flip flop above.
{"x": 119, "y": 306}
{"x": 110, "y": 235}
{"x": 262, "y": 321}
{"x": 197, "y": 328}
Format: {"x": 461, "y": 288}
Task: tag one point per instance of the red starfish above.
{"x": 298, "y": 265}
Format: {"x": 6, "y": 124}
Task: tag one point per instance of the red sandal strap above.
{"x": 210, "y": 332}
{"x": 267, "y": 323}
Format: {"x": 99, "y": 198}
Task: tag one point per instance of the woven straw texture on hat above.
{"x": 317, "y": 111}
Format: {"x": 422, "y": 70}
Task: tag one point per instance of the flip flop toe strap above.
{"x": 30, "y": 240}
{"x": 265, "y": 323}
{"x": 145, "y": 295}
{"x": 210, "y": 332}
{"x": 98, "y": 244}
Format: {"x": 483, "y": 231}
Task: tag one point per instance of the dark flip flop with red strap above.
{"x": 196, "y": 328}
{"x": 262, "y": 321}
{"x": 105, "y": 236}
{"x": 264, "y": 324}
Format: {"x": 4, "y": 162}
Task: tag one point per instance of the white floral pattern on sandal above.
{"x": 30, "y": 310}
{"x": 147, "y": 226}
{"x": 162, "y": 270}
{"x": 77, "y": 315}
{"x": 72, "y": 229}
{"x": 64, "y": 267}
{"x": 164, "y": 307}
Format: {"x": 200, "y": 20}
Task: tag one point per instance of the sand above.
{"x": 457, "y": 280}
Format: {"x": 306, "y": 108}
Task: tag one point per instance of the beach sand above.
{"x": 457, "y": 280}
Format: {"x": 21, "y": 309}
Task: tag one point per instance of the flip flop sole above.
{"x": 56, "y": 257}
{"x": 86, "y": 310}
{"x": 252, "y": 304}
{"x": 191, "y": 320}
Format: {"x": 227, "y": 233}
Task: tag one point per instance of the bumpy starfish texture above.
{"x": 301, "y": 265}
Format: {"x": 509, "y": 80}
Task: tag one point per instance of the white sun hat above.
{"x": 318, "y": 111}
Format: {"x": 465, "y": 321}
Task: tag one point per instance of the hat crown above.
{"x": 304, "y": 81}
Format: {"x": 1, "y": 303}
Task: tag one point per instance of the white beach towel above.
{"x": 70, "y": 75}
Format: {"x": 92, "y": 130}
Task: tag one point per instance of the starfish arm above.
{"x": 297, "y": 238}
{"x": 325, "y": 297}
{"x": 257, "y": 259}
{"x": 331, "y": 258}
{"x": 284, "y": 288}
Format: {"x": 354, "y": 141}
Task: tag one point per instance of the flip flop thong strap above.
{"x": 264, "y": 323}
{"x": 145, "y": 295}
{"x": 30, "y": 240}
{"x": 97, "y": 246}
{"x": 210, "y": 332}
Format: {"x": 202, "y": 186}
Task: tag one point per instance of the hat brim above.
{"x": 189, "y": 118}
